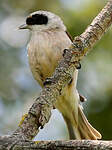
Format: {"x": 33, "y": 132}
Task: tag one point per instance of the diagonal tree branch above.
{"x": 40, "y": 111}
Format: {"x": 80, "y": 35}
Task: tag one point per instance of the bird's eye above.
{"x": 37, "y": 19}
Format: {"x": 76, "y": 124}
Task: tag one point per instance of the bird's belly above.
{"x": 44, "y": 51}
{"x": 43, "y": 64}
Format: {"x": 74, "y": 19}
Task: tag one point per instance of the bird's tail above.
{"x": 83, "y": 129}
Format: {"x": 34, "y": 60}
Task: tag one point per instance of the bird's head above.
{"x": 43, "y": 20}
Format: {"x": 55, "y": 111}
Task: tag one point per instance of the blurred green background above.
{"x": 18, "y": 89}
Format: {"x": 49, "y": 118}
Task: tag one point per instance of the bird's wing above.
{"x": 70, "y": 37}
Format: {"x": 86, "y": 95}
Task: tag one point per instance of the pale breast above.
{"x": 44, "y": 52}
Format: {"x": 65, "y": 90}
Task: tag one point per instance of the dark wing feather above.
{"x": 69, "y": 35}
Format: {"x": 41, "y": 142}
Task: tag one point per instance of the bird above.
{"x": 48, "y": 39}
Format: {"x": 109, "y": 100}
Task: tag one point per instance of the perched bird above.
{"x": 48, "y": 40}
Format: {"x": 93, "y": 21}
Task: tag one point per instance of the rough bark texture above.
{"x": 55, "y": 145}
{"x": 40, "y": 111}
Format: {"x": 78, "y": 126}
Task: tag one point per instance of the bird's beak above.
{"x": 24, "y": 26}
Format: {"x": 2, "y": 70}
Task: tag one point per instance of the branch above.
{"x": 40, "y": 112}
{"x": 56, "y": 145}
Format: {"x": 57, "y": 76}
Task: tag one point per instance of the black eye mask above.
{"x": 37, "y": 19}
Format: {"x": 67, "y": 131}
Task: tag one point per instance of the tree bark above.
{"x": 40, "y": 112}
{"x": 55, "y": 145}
